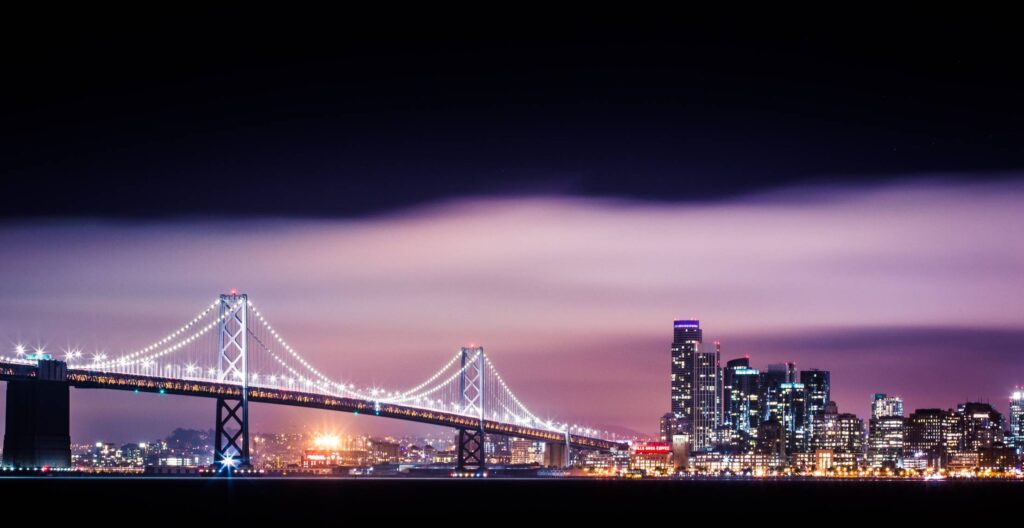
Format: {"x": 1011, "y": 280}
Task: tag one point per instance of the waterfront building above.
{"x": 651, "y": 458}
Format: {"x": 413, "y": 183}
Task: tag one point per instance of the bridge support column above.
{"x": 471, "y": 457}
{"x": 556, "y": 455}
{"x": 231, "y": 446}
{"x": 37, "y": 422}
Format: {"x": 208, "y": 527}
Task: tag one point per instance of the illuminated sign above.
{"x": 652, "y": 448}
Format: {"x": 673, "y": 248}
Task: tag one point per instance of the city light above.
{"x": 327, "y": 441}
{"x": 811, "y": 437}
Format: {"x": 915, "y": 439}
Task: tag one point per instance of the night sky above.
{"x": 847, "y": 197}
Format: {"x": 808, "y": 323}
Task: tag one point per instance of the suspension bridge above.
{"x": 231, "y": 353}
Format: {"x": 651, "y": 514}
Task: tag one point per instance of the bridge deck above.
{"x": 206, "y": 389}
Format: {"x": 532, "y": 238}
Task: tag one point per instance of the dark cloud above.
{"x": 193, "y": 116}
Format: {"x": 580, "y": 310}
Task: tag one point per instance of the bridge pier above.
{"x": 471, "y": 456}
{"x": 38, "y": 418}
{"x": 231, "y": 447}
{"x": 556, "y": 455}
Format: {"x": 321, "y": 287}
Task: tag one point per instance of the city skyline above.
{"x": 308, "y": 264}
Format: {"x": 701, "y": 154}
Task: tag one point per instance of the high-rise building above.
{"x": 696, "y": 385}
{"x": 771, "y": 380}
{"x": 883, "y": 405}
{"x": 741, "y": 403}
{"x": 981, "y": 427}
{"x": 931, "y": 435}
{"x": 1016, "y": 439}
{"x": 886, "y": 442}
{"x": 671, "y": 425}
{"x": 840, "y": 434}
{"x": 819, "y": 393}
{"x": 686, "y": 339}
{"x": 886, "y": 432}
{"x": 707, "y": 402}
{"x": 788, "y": 408}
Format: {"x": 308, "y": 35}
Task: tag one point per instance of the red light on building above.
{"x": 652, "y": 448}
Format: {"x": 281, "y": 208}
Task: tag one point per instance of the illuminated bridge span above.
{"x": 231, "y": 353}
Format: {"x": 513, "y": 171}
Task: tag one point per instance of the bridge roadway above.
{"x": 87, "y": 379}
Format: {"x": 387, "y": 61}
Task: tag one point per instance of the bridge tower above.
{"x": 231, "y": 446}
{"x": 471, "y": 457}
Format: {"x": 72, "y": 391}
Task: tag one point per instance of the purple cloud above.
{"x": 573, "y": 298}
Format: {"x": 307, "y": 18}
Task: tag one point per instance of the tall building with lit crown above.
{"x": 885, "y": 432}
{"x": 741, "y": 403}
{"x": 1016, "y": 439}
{"x": 686, "y": 338}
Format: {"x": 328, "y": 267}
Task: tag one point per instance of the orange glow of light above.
{"x": 327, "y": 441}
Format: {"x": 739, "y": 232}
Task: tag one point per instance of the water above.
{"x": 298, "y": 498}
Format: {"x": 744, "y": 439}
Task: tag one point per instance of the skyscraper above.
{"x": 686, "y": 338}
{"x": 819, "y": 391}
{"x": 669, "y": 426}
{"x": 707, "y": 394}
{"x": 841, "y": 434}
{"x": 931, "y": 435}
{"x": 696, "y": 385}
{"x": 788, "y": 408}
{"x": 741, "y": 402}
{"x": 883, "y": 405}
{"x": 981, "y": 426}
{"x": 771, "y": 379}
{"x": 1017, "y": 420}
{"x": 885, "y": 432}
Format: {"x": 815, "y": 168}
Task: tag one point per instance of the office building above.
{"x": 885, "y": 432}
{"x": 931, "y": 436}
{"x": 981, "y": 426}
{"x": 1016, "y": 438}
{"x": 741, "y": 403}
{"x": 696, "y": 385}
{"x": 686, "y": 338}
{"x": 819, "y": 393}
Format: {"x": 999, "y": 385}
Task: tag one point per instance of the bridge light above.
{"x": 228, "y": 462}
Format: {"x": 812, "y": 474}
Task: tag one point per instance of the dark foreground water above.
{"x": 295, "y": 498}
